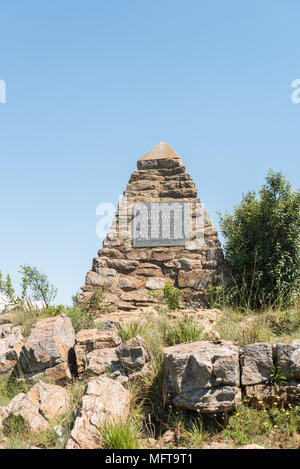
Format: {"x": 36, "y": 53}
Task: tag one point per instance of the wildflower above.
{"x": 275, "y": 426}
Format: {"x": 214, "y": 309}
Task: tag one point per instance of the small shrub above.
{"x": 170, "y": 296}
{"x": 119, "y": 434}
{"x": 276, "y": 377}
{"x": 84, "y": 312}
{"x": 48, "y": 438}
{"x": 15, "y": 425}
{"x": 130, "y": 330}
{"x": 16, "y": 386}
{"x": 79, "y": 318}
{"x": 195, "y": 434}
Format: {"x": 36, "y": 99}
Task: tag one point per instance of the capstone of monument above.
{"x": 161, "y": 232}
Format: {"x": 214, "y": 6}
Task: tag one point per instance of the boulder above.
{"x": 102, "y": 399}
{"x": 256, "y": 363}
{"x": 49, "y": 349}
{"x": 287, "y": 359}
{"x": 10, "y": 348}
{"x": 203, "y": 376}
{"x": 101, "y": 360}
{"x": 39, "y": 407}
{"x": 88, "y": 340}
{"x": 133, "y": 354}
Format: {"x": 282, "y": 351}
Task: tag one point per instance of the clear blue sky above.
{"x": 92, "y": 86}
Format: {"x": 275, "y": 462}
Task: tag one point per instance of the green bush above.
{"x": 262, "y": 244}
{"x": 169, "y": 295}
{"x": 84, "y": 313}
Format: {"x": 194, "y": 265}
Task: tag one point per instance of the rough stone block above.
{"x": 203, "y": 376}
{"x": 256, "y": 363}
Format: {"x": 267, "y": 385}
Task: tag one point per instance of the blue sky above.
{"x": 92, "y": 86}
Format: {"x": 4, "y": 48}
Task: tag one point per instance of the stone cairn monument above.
{"x": 161, "y": 232}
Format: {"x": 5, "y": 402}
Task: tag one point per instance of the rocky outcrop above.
{"x": 102, "y": 399}
{"x": 130, "y": 272}
{"x": 203, "y": 376}
{"x": 10, "y": 347}
{"x": 49, "y": 349}
{"x": 39, "y": 407}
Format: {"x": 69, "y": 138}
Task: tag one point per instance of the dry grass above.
{"x": 269, "y": 326}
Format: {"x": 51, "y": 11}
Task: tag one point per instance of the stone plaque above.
{"x": 160, "y": 224}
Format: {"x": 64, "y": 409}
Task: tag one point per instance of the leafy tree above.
{"x": 6, "y": 287}
{"x": 38, "y": 284}
{"x": 262, "y": 242}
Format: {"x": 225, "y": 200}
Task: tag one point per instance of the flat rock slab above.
{"x": 203, "y": 376}
{"x": 102, "y": 399}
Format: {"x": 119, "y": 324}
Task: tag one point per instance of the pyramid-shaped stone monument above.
{"x": 161, "y": 232}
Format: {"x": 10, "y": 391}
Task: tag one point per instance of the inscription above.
{"x": 160, "y": 224}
